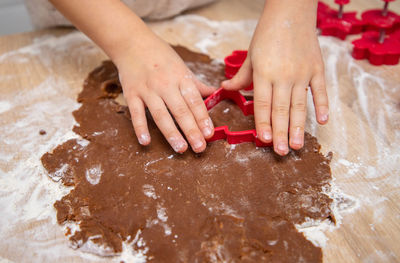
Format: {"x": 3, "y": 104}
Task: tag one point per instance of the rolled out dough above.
{"x": 231, "y": 203}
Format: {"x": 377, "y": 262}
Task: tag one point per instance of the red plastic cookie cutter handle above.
{"x": 337, "y": 23}
{"x": 378, "y": 19}
{"x": 233, "y": 62}
{"x": 222, "y": 132}
{"x": 341, "y": 3}
{"x": 378, "y": 47}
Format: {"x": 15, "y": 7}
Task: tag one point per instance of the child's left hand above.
{"x": 284, "y": 58}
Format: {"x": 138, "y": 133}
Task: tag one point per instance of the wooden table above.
{"x": 41, "y": 73}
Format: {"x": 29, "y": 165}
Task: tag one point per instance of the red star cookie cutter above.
{"x": 233, "y": 62}
{"x": 338, "y": 23}
{"x": 376, "y": 46}
{"x": 222, "y": 132}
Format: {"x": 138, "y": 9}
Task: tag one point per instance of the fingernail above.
{"x": 266, "y": 135}
{"x": 323, "y": 114}
{"x": 297, "y": 141}
{"x": 282, "y": 147}
{"x": 144, "y": 138}
{"x": 177, "y": 144}
{"x": 297, "y": 136}
{"x": 209, "y": 126}
{"x": 197, "y": 145}
{"x": 324, "y": 117}
{"x": 207, "y": 132}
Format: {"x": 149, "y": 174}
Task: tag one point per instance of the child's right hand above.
{"x": 153, "y": 75}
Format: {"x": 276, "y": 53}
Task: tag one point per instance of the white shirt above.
{"x": 44, "y": 14}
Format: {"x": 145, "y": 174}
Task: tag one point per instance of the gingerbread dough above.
{"x": 231, "y": 203}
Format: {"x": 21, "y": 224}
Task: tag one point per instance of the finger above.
{"x": 165, "y": 123}
{"x": 262, "y": 108}
{"x": 280, "y": 117}
{"x": 138, "y": 114}
{"x": 298, "y": 112}
{"x": 193, "y": 99}
{"x": 186, "y": 121}
{"x": 242, "y": 79}
{"x": 320, "y": 98}
{"x": 204, "y": 89}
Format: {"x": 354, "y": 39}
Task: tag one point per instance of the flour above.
{"x": 149, "y": 191}
{"x": 93, "y": 174}
{"x": 162, "y": 216}
{"x": 342, "y": 204}
{"x": 372, "y": 115}
{"x": 27, "y": 195}
{"x": 214, "y": 37}
{"x": 4, "y": 106}
{"x": 40, "y": 46}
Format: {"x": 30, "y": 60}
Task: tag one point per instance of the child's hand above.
{"x": 284, "y": 59}
{"x": 153, "y": 75}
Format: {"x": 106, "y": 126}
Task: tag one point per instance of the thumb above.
{"x": 242, "y": 79}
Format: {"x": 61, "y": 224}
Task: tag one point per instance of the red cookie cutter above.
{"x": 323, "y": 10}
{"x": 222, "y": 132}
{"x": 376, "y": 46}
{"x": 396, "y": 35}
{"x": 233, "y": 62}
{"x": 377, "y": 53}
{"x": 337, "y": 23}
{"x": 377, "y": 19}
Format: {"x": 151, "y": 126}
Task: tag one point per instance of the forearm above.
{"x": 109, "y": 23}
{"x": 290, "y": 13}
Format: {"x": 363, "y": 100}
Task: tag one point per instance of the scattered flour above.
{"x": 4, "y": 106}
{"x": 93, "y": 174}
{"x": 27, "y": 195}
{"x": 149, "y": 191}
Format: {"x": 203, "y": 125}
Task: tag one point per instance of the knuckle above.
{"x": 193, "y": 133}
{"x": 187, "y": 91}
{"x": 281, "y": 134}
{"x": 324, "y": 104}
{"x": 319, "y": 90}
{"x": 319, "y": 83}
{"x": 297, "y": 129}
{"x": 172, "y": 134}
{"x": 140, "y": 126}
{"x": 299, "y": 106}
{"x": 196, "y": 102}
{"x": 158, "y": 114}
{"x": 138, "y": 120}
{"x": 264, "y": 124}
{"x": 262, "y": 103}
{"x": 203, "y": 121}
{"x": 280, "y": 110}
{"x": 136, "y": 111}
{"x": 181, "y": 111}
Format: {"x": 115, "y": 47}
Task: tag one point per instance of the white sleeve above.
{"x": 43, "y": 13}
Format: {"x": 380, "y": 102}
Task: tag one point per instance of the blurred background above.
{"x": 14, "y": 17}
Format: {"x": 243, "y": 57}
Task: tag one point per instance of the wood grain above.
{"x": 358, "y": 134}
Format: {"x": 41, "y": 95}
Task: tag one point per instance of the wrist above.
{"x": 128, "y": 43}
{"x": 288, "y": 13}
